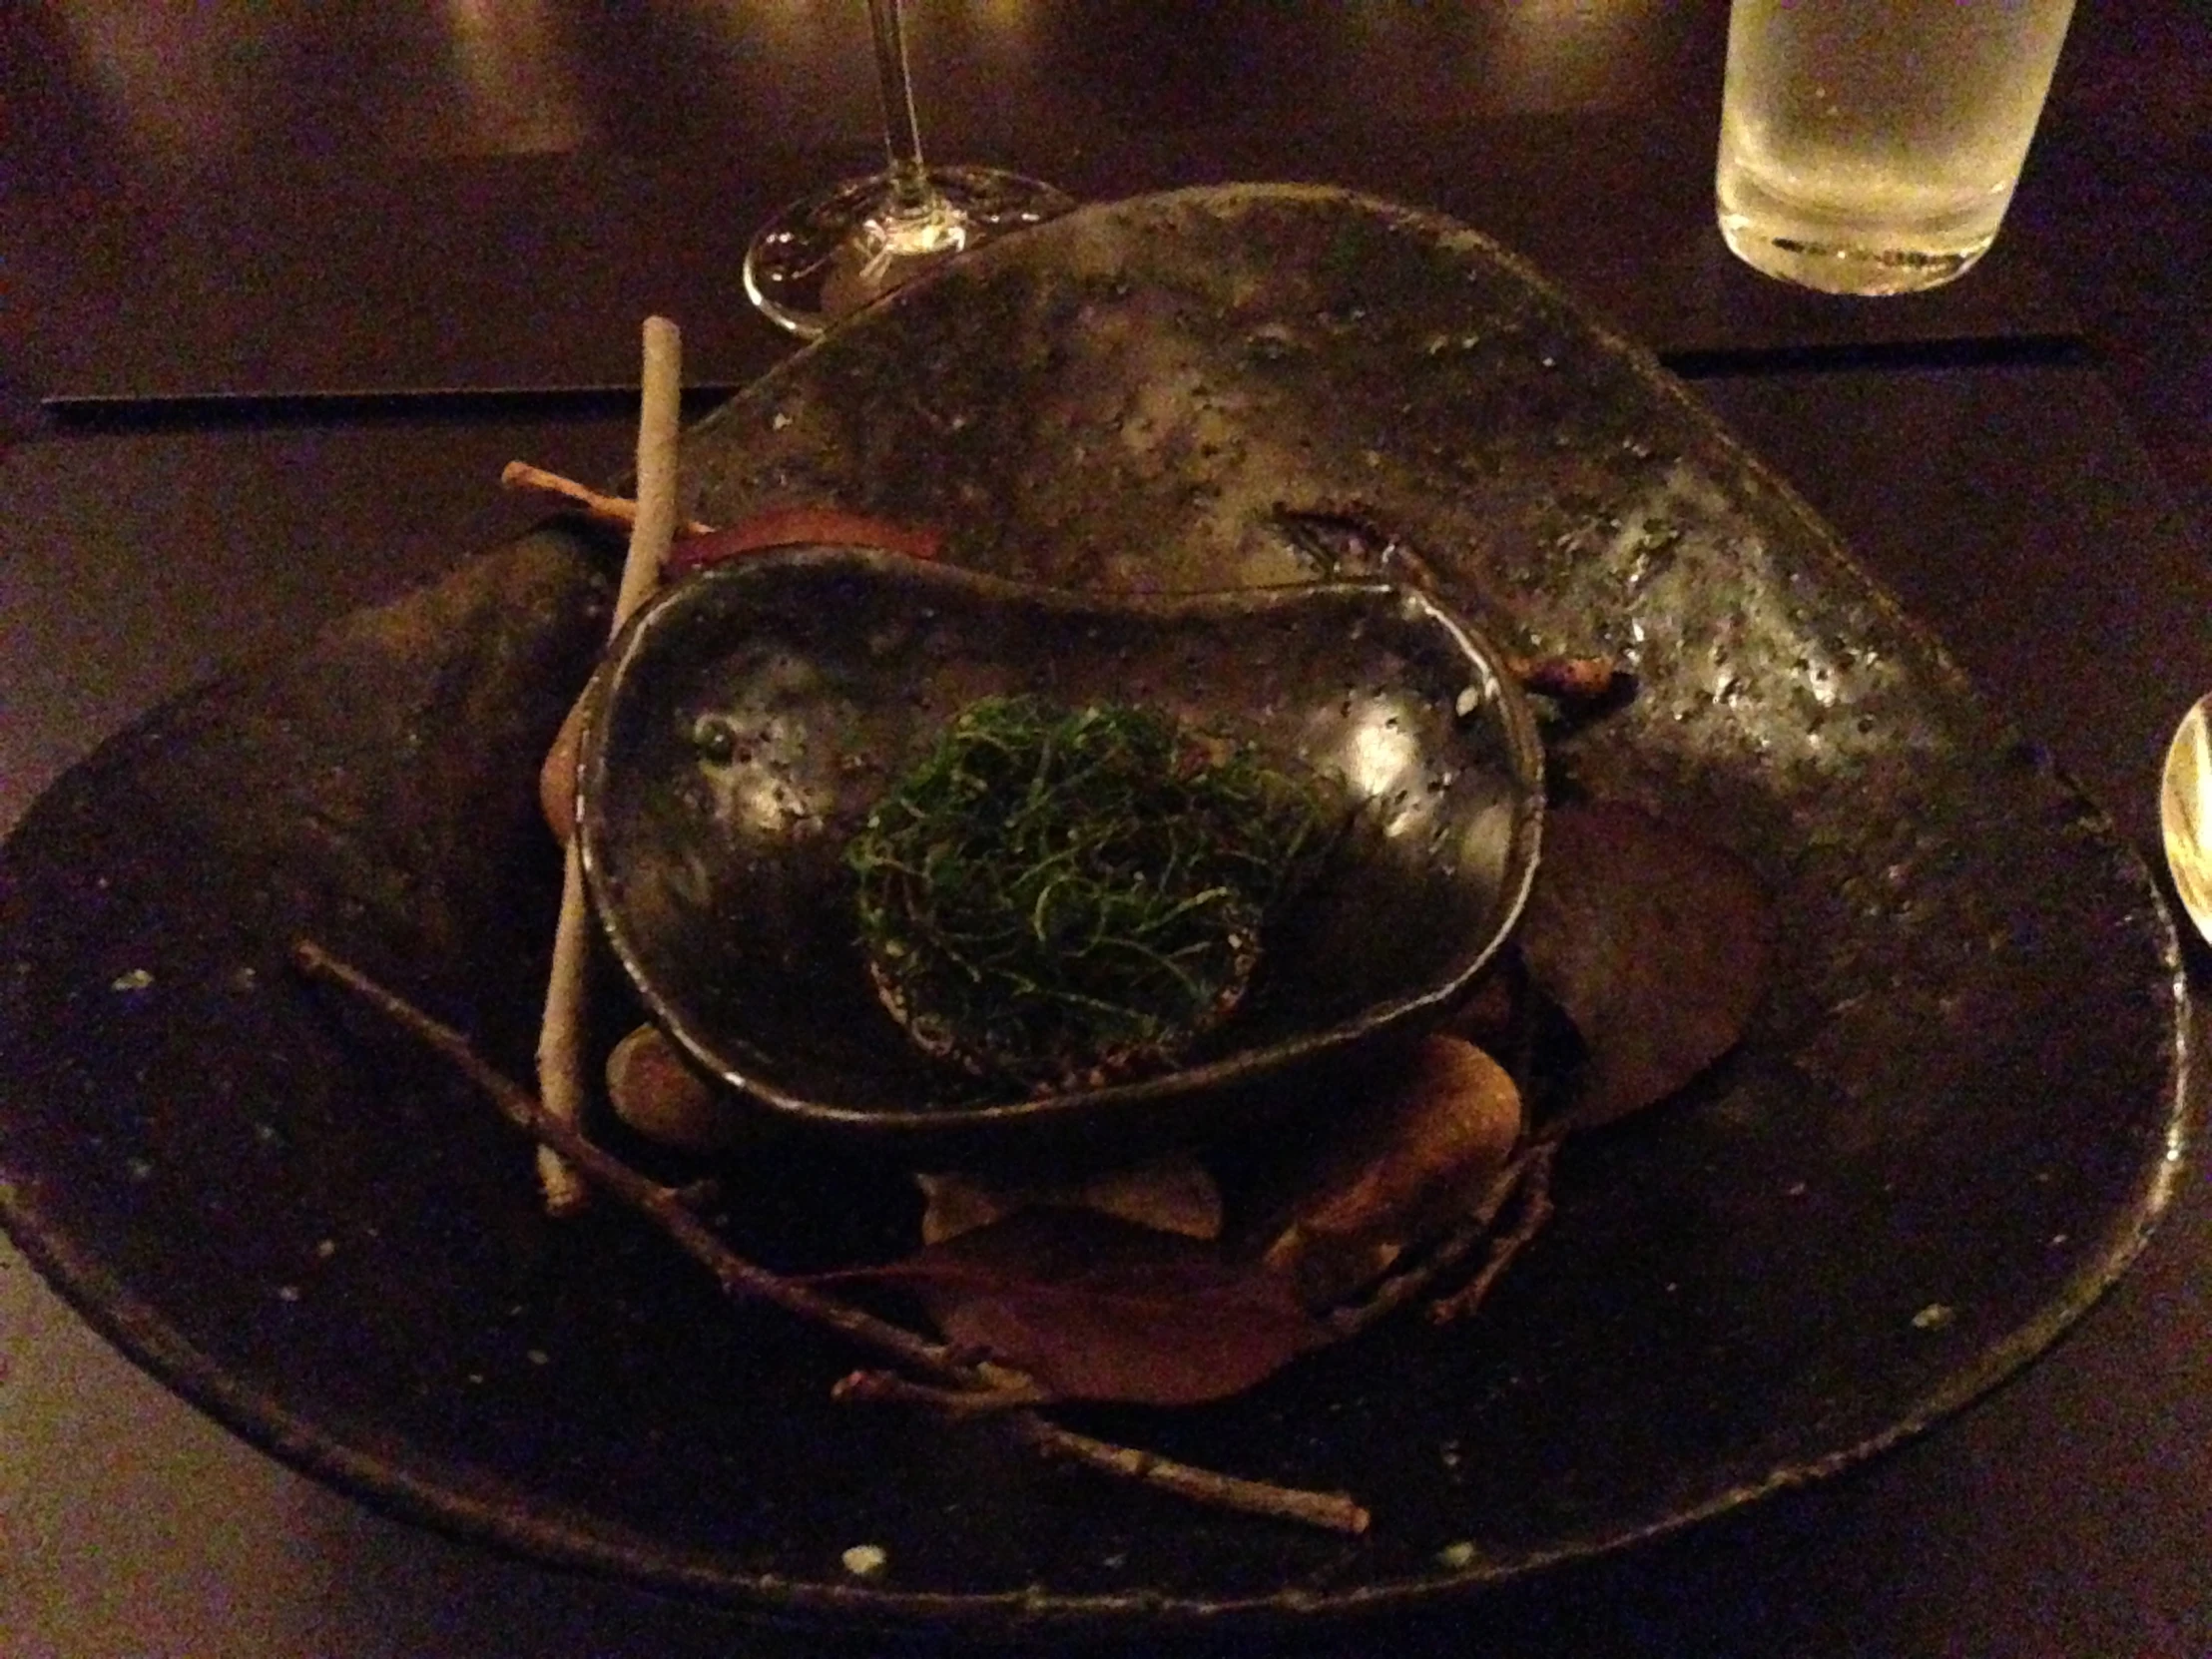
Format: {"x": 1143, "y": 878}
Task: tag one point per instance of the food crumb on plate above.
{"x": 865, "y": 1561}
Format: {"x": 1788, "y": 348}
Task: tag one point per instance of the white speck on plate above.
{"x": 1934, "y": 1316}
{"x": 1456, "y": 1557}
{"x": 138, "y": 980}
{"x": 865, "y": 1561}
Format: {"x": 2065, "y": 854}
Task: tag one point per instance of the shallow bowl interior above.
{"x": 749, "y": 717}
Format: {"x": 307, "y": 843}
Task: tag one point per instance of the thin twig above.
{"x": 661, "y": 1205}
{"x": 560, "y": 1038}
{"x": 617, "y": 512}
{"x": 560, "y": 1056}
{"x": 1332, "y": 1511}
{"x": 1449, "y": 1254}
{"x": 1535, "y": 1210}
{"x": 698, "y": 1196}
{"x": 883, "y": 1387}
{"x": 1568, "y": 678}
{"x": 739, "y": 1278}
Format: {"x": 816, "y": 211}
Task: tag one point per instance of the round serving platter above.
{"x": 1958, "y": 1112}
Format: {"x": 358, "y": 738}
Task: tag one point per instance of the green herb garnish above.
{"x": 1058, "y": 897}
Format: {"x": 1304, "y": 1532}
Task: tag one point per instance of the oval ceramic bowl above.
{"x": 749, "y": 718}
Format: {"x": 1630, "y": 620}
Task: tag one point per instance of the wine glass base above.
{"x": 832, "y": 253}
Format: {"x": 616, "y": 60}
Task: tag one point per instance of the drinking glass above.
{"x": 852, "y": 242}
{"x": 1874, "y": 148}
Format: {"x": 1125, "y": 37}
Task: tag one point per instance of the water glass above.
{"x": 1873, "y": 146}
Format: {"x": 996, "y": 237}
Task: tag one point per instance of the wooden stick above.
{"x": 660, "y": 421}
{"x": 665, "y": 1209}
{"x": 617, "y": 512}
{"x": 561, "y": 1035}
{"x": 1455, "y": 1248}
{"x": 560, "y": 1039}
{"x": 1535, "y": 1201}
{"x": 1330, "y": 1511}
{"x": 888, "y": 1387}
{"x": 663, "y": 1206}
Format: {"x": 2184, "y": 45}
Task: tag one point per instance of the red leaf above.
{"x": 1655, "y": 943}
{"x": 796, "y": 527}
{"x": 1097, "y": 1308}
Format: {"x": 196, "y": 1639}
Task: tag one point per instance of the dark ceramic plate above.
{"x": 1952, "y": 1121}
{"x": 750, "y": 718}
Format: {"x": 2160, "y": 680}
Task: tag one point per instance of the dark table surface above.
{"x": 241, "y": 248}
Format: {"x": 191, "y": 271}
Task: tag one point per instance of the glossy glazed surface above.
{"x": 751, "y": 717}
{"x": 1880, "y": 1207}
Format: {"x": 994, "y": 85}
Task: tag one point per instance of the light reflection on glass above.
{"x": 1381, "y": 755}
{"x": 752, "y": 800}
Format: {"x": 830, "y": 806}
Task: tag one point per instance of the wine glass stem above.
{"x": 910, "y": 192}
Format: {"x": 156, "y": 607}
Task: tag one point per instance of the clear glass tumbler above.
{"x": 1873, "y": 147}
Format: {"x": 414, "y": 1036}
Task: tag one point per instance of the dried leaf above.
{"x": 1656, "y": 945}
{"x": 1398, "y": 1173}
{"x": 1491, "y": 1016}
{"x": 1096, "y": 1309}
{"x": 557, "y": 775}
{"x": 663, "y": 1099}
{"x": 799, "y": 527}
{"x": 1173, "y": 1194}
